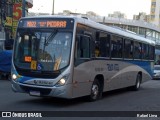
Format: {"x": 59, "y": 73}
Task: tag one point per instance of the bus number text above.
{"x": 31, "y": 24}
{"x": 113, "y": 67}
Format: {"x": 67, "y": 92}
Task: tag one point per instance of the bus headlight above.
{"x": 62, "y": 81}
{"x": 14, "y": 76}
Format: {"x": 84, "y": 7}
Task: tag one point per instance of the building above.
{"x": 36, "y": 14}
{"x": 117, "y": 14}
{"x": 10, "y": 12}
{"x": 142, "y": 17}
{"x": 155, "y": 12}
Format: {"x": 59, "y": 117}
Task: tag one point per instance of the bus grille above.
{"x": 43, "y": 91}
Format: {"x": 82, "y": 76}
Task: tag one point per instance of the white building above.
{"x": 155, "y": 12}
{"x": 117, "y": 14}
{"x": 142, "y": 16}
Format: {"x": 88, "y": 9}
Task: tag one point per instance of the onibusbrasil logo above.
{"x": 21, "y": 114}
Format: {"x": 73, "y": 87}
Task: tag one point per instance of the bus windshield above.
{"x": 42, "y": 49}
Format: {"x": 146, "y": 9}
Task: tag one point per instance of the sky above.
{"x": 101, "y": 7}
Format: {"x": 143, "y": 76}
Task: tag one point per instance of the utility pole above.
{"x": 53, "y": 8}
{"x": 3, "y": 14}
{"x": 3, "y": 18}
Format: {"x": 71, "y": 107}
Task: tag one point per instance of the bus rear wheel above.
{"x": 136, "y": 87}
{"x": 96, "y": 91}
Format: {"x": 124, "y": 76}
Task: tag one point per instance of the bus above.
{"x": 70, "y": 57}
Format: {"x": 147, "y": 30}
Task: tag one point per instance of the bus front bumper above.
{"x": 43, "y": 91}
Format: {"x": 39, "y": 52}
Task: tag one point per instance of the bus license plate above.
{"x": 35, "y": 93}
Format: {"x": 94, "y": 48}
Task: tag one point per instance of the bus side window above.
{"x": 151, "y": 52}
{"x": 97, "y": 51}
{"x": 137, "y": 50}
{"x": 83, "y": 47}
{"x": 145, "y": 51}
{"x": 97, "y": 45}
{"x": 116, "y": 46}
{"x": 128, "y": 48}
{"x": 104, "y": 45}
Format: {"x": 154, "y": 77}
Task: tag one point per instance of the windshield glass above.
{"x": 42, "y": 50}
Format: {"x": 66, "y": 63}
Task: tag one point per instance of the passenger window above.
{"x": 116, "y": 46}
{"x": 145, "y": 51}
{"x": 128, "y": 49}
{"x": 83, "y": 47}
{"x": 137, "y": 50}
{"x": 97, "y": 50}
{"x": 151, "y": 52}
{"x": 104, "y": 45}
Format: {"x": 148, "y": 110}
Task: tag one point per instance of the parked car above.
{"x": 5, "y": 63}
{"x": 156, "y": 74}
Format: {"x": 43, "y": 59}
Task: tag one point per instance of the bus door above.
{"x": 82, "y": 66}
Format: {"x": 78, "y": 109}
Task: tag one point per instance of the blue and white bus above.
{"x": 69, "y": 57}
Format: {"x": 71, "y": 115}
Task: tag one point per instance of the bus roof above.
{"x": 99, "y": 26}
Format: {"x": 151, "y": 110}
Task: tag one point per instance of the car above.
{"x": 156, "y": 72}
{"x": 5, "y": 64}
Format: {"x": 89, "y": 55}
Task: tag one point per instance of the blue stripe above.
{"x": 146, "y": 65}
{"x": 24, "y": 78}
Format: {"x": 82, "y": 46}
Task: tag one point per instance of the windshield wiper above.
{"x": 50, "y": 38}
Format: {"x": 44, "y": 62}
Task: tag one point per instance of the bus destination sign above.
{"x": 55, "y": 24}
{"x": 46, "y": 23}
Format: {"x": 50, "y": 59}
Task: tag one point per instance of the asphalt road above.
{"x": 146, "y": 99}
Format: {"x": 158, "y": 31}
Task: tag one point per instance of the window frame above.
{"x": 78, "y": 45}
{"x": 122, "y": 41}
{"x": 124, "y": 48}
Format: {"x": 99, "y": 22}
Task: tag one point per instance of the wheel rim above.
{"x": 138, "y": 82}
{"x": 95, "y": 91}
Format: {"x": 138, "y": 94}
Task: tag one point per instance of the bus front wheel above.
{"x": 96, "y": 92}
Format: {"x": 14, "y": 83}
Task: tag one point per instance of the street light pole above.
{"x": 23, "y": 8}
{"x": 3, "y": 14}
{"x": 53, "y": 8}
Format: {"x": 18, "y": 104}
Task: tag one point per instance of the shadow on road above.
{"x": 59, "y": 102}
{"x": 53, "y": 102}
{"x": 21, "y": 100}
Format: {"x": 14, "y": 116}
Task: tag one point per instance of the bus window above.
{"x": 97, "y": 51}
{"x": 26, "y": 46}
{"x": 83, "y": 50}
{"x": 151, "y": 52}
{"x": 116, "y": 47}
{"x": 137, "y": 50}
{"x": 128, "y": 48}
{"x": 104, "y": 45}
{"x": 145, "y": 50}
